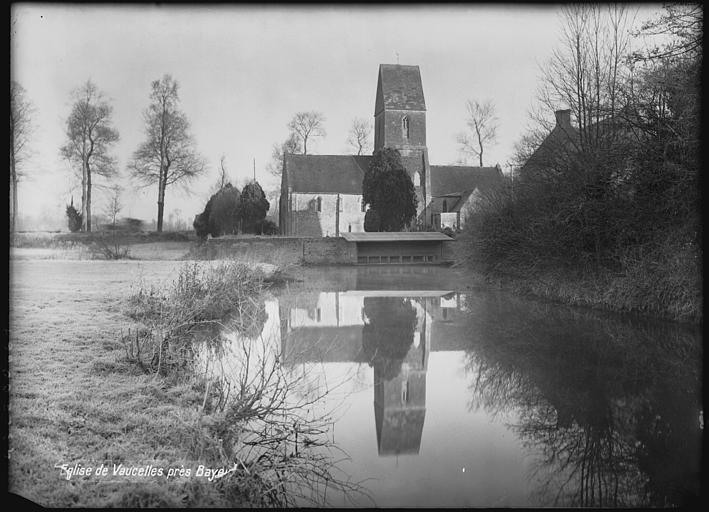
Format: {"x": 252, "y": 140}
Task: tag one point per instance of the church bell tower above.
{"x": 400, "y": 123}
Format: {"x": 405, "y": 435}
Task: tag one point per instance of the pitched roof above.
{"x": 326, "y": 173}
{"x": 448, "y": 179}
{"x": 560, "y": 143}
{"x": 396, "y": 236}
{"x": 399, "y": 430}
{"x": 324, "y": 344}
{"x": 399, "y": 88}
{"x": 454, "y": 201}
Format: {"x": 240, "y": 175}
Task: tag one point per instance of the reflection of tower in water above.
{"x": 393, "y": 332}
{"x": 400, "y": 399}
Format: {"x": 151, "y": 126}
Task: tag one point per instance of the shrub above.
{"x": 200, "y": 224}
{"x": 220, "y": 215}
{"x": 75, "y": 219}
{"x": 266, "y": 227}
{"x": 224, "y": 212}
{"x": 253, "y": 207}
{"x": 448, "y": 231}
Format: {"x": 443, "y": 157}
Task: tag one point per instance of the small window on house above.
{"x": 349, "y": 228}
{"x": 319, "y": 315}
{"x": 445, "y": 206}
{"x": 417, "y": 179}
{"x": 405, "y": 127}
{"x": 404, "y": 392}
{"x": 319, "y": 204}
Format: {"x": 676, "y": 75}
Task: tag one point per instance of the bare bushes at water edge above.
{"x": 204, "y": 334}
{"x": 539, "y": 246}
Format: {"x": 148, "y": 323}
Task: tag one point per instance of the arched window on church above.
{"x": 445, "y": 206}
{"x": 417, "y": 179}
{"x": 405, "y": 127}
{"x": 319, "y": 203}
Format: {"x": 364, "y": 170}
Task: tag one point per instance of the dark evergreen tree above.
{"x": 389, "y": 191}
{"x": 74, "y": 217}
{"x": 220, "y": 215}
{"x": 254, "y": 206}
{"x": 372, "y": 221}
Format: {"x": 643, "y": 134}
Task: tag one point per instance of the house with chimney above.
{"x": 321, "y": 195}
{"x": 559, "y": 144}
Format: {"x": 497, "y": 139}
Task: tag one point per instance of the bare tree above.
{"x": 306, "y": 125}
{"x": 222, "y": 179}
{"x": 359, "y": 136}
{"x": 482, "y": 125}
{"x": 290, "y": 146}
{"x": 586, "y": 72}
{"x": 684, "y": 24}
{"x": 115, "y": 204}
{"x": 90, "y": 137}
{"x": 20, "y": 130}
{"x": 168, "y": 155}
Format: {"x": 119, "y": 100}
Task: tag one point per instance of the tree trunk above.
{"x": 13, "y": 190}
{"x": 83, "y": 196}
{"x": 480, "y": 145}
{"x": 161, "y": 203}
{"x": 161, "y": 208}
{"x": 88, "y": 199}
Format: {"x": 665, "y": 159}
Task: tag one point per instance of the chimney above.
{"x": 563, "y": 118}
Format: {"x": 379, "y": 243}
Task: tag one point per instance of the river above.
{"x": 438, "y": 394}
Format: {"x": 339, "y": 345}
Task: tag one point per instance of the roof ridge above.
{"x": 475, "y": 167}
{"x": 401, "y": 65}
{"x": 339, "y": 156}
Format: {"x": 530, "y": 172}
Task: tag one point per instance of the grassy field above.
{"x": 84, "y": 246}
{"x": 75, "y": 399}
{"x": 72, "y": 397}
{"x": 171, "y": 246}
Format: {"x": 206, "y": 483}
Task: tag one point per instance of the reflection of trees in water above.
{"x": 611, "y": 408}
{"x": 387, "y": 336}
{"x": 250, "y": 319}
{"x": 247, "y": 321}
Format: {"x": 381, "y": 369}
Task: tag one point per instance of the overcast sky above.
{"x": 244, "y": 71}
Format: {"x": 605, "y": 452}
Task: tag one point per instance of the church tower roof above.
{"x": 399, "y": 88}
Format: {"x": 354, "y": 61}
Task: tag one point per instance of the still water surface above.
{"x": 445, "y": 396}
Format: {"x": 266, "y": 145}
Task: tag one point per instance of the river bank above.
{"x": 661, "y": 281}
{"x": 76, "y": 399}
{"x": 670, "y": 297}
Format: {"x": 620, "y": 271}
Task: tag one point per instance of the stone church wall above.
{"x": 306, "y": 220}
{"x": 393, "y": 132}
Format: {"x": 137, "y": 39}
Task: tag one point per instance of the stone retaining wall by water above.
{"x": 283, "y": 249}
{"x": 277, "y": 249}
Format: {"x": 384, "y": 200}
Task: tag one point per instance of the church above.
{"x": 321, "y": 195}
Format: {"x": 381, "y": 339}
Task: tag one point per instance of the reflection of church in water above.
{"x": 394, "y": 332}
